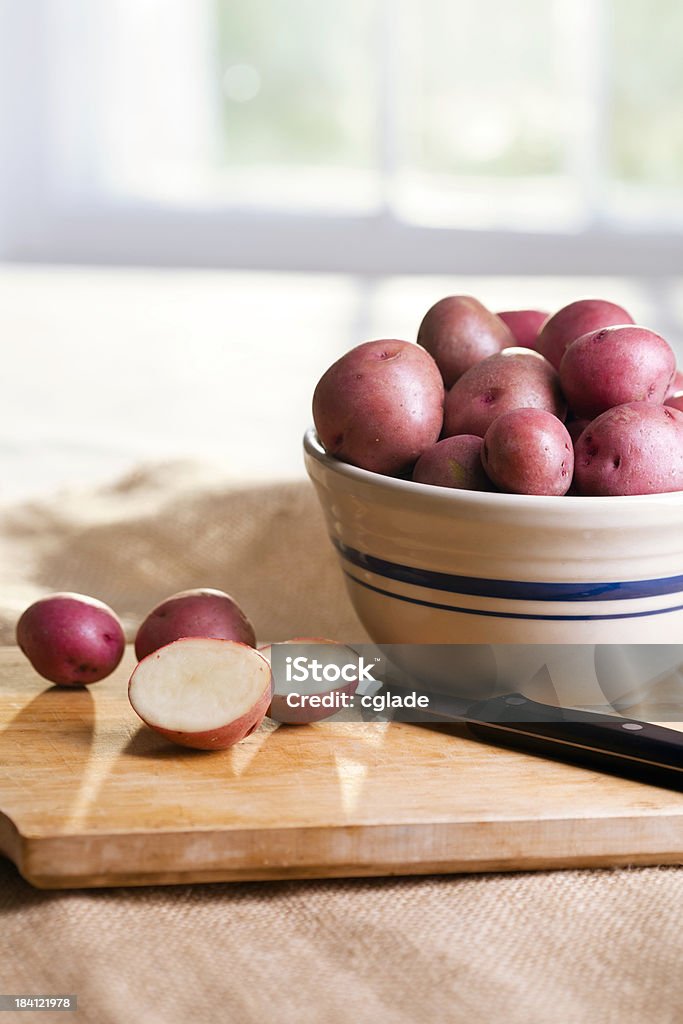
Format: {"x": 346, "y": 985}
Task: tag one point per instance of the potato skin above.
{"x": 454, "y": 462}
{"x": 529, "y": 451}
{"x": 514, "y": 379}
{"x": 202, "y": 613}
{"x": 280, "y": 711}
{"x": 525, "y": 325}
{"x": 380, "y": 406}
{"x": 71, "y": 639}
{"x": 615, "y": 366}
{"x": 632, "y": 449}
{"x": 575, "y": 320}
{"x": 459, "y": 332}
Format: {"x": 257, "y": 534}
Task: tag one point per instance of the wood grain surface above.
{"x": 90, "y": 797}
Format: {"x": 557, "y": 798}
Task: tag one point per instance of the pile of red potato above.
{"x": 518, "y": 402}
{"x": 583, "y": 402}
{"x": 199, "y": 681}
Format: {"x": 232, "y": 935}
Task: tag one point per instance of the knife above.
{"x": 611, "y": 743}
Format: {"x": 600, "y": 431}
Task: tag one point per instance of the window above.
{"x": 370, "y": 136}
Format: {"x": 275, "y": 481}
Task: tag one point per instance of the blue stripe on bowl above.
{"x": 510, "y": 590}
{"x": 509, "y": 615}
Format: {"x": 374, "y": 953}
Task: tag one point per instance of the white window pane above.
{"x": 647, "y": 107}
{"x": 215, "y": 101}
{"x": 492, "y": 107}
{"x": 298, "y": 82}
{"x": 486, "y": 88}
{"x": 297, "y": 88}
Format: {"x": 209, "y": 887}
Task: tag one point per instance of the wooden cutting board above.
{"x": 90, "y": 797}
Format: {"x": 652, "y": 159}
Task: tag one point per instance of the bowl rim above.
{"x": 450, "y": 496}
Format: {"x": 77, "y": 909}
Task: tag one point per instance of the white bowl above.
{"x": 428, "y": 564}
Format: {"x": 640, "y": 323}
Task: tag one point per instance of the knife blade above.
{"x": 606, "y": 742}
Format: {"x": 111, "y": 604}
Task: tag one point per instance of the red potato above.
{"x": 459, "y": 332}
{"x": 615, "y": 366}
{"x": 632, "y": 449}
{"x": 529, "y": 451}
{"x": 71, "y": 639}
{"x": 675, "y": 401}
{"x": 453, "y": 462}
{"x": 202, "y": 693}
{"x": 514, "y": 379}
{"x": 204, "y": 612}
{"x": 380, "y": 406}
{"x": 314, "y": 700}
{"x": 575, "y": 320}
{"x": 525, "y": 325}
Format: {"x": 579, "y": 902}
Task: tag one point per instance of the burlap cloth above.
{"x": 566, "y": 947}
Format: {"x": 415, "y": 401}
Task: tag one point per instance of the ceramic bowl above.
{"x": 428, "y": 564}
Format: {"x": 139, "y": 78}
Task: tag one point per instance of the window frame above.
{"x": 46, "y": 221}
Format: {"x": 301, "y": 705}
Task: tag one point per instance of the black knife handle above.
{"x": 603, "y": 741}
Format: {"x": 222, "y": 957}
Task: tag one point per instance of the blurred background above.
{"x": 203, "y": 202}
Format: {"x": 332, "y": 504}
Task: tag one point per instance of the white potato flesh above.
{"x": 196, "y": 684}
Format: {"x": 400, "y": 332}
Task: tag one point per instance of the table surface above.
{"x": 90, "y": 797}
{"x": 108, "y": 367}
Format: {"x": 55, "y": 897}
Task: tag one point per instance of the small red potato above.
{"x": 514, "y": 379}
{"x": 312, "y": 700}
{"x": 380, "y": 406}
{"x": 204, "y": 612}
{"x": 453, "y": 462}
{"x": 71, "y": 639}
{"x": 459, "y": 332}
{"x": 575, "y": 320}
{"x": 529, "y": 451}
{"x": 525, "y": 325}
{"x": 615, "y": 366}
{"x": 202, "y": 693}
{"x": 632, "y": 449}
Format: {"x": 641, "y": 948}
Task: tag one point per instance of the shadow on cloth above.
{"x": 172, "y": 527}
